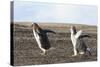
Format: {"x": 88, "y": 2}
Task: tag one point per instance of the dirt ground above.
{"x": 26, "y": 51}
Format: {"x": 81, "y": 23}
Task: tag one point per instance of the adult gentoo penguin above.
{"x": 79, "y": 45}
{"x": 41, "y": 37}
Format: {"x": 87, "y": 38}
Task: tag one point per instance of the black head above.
{"x": 35, "y": 26}
{"x": 73, "y": 29}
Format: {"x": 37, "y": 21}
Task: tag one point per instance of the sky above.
{"x": 54, "y": 12}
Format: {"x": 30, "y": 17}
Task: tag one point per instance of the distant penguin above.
{"x": 79, "y": 45}
{"x": 41, "y": 37}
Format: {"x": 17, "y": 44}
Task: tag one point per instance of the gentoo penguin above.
{"x": 79, "y": 45}
{"x": 41, "y": 37}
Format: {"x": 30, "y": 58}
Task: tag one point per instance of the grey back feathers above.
{"x": 81, "y": 46}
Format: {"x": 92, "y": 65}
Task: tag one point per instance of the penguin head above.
{"x": 73, "y": 30}
{"x": 35, "y": 26}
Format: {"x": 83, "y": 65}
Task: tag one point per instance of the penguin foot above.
{"x": 42, "y": 54}
{"x": 74, "y": 55}
{"x": 81, "y": 53}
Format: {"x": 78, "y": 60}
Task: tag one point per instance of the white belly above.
{"x": 37, "y": 38}
{"x": 74, "y": 40}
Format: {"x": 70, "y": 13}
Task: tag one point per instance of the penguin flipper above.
{"x": 78, "y": 34}
{"x": 85, "y": 35}
{"x": 50, "y": 31}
